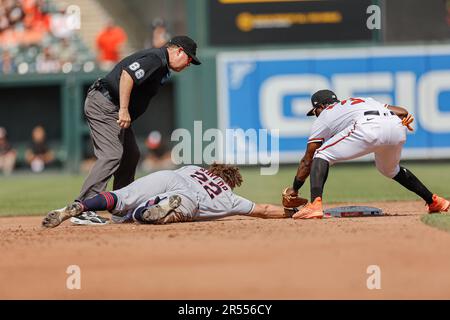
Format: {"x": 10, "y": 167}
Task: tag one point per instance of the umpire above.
{"x": 115, "y": 101}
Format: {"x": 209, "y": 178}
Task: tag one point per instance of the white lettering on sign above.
{"x": 271, "y": 96}
{"x": 419, "y": 96}
{"x": 350, "y": 85}
{"x": 430, "y": 86}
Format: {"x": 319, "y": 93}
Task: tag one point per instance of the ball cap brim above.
{"x": 311, "y": 112}
{"x": 189, "y": 46}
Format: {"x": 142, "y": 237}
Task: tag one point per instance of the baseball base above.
{"x": 352, "y": 211}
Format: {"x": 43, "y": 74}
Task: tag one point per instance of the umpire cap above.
{"x": 322, "y": 97}
{"x": 189, "y": 46}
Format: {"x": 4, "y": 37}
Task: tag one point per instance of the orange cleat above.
{"x": 312, "y": 210}
{"x": 439, "y": 204}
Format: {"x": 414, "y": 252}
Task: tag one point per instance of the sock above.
{"x": 407, "y": 179}
{"x": 319, "y": 175}
{"x": 102, "y": 201}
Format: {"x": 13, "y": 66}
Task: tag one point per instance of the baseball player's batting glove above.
{"x": 290, "y": 198}
{"x": 406, "y": 121}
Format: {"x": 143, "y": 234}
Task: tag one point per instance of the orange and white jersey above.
{"x": 341, "y": 115}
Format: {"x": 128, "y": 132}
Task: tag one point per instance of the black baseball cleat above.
{"x": 56, "y": 217}
{"x": 157, "y": 212}
{"x": 89, "y": 218}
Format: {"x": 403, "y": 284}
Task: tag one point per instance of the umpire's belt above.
{"x": 105, "y": 93}
{"x": 103, "y": 90}
{"x": 377, "y": 113}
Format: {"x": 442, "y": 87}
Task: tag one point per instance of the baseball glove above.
{"x": 406, "y": 121}
{"x": 290, "y": 199}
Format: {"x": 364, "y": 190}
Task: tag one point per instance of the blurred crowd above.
{"x": 159, "y": 34}
{"x": 110, "y": 42}
{"x": 37, "y": 155}
{"x": 156, "y": 154}
{"x": 7, "y": 154}
{"x": 112, "y": 38}
{"x": 37, "y": 36}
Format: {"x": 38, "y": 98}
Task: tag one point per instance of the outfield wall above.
{"x": 56, "y": 101}
{"x": 271, "y": 90}
{"x": 263, "y": 89}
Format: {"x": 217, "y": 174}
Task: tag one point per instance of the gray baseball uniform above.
{"x": 204, "y": 196}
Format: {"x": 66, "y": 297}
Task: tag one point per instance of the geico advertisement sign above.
{"x": 272, "y": 89}
{"x": 419, "y": 95}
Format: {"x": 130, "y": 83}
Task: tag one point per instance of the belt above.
{"x": 103, "y": 90}
{"x": 377, "y": 113}
{"x": 105, "y": 93}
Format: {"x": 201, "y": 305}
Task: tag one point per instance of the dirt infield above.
{"x": 236, "y": 258}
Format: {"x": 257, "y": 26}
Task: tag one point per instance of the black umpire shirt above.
{"x": 149, "y": 69}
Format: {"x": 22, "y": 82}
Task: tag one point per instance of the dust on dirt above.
{"x": 235, "y": 258}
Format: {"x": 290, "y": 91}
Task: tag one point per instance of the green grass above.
{"x": 440, "y": 221}
{"x": 37, "y": 194}
{"x": 348, "y": 182}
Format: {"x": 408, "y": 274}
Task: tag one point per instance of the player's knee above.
{"x": 322, "y": 156}
{"x": 389, "y": 172}
{"x": 318, "y": 155}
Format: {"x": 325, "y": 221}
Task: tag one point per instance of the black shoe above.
{"x": 89, "y": 218}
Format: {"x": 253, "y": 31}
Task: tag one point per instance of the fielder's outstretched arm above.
{"x": 269, "y": 211}
{"x": 304, "y": 168}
